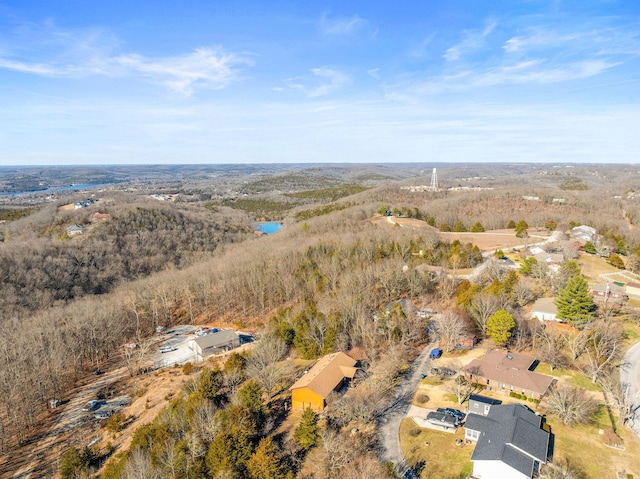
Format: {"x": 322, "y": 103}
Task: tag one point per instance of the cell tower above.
{"x": 434, "y": 180}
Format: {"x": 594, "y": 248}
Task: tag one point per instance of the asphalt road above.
{"x": 397, "y": 411}
{"x": 630, "y": 379}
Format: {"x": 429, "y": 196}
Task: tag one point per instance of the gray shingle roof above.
{"x": 512, "y": 434}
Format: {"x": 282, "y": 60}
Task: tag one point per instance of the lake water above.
{"x": 269, "y": 227}
{"x": 60, "y": 188}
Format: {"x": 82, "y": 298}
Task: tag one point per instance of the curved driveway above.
{"x": 630, "y": 382}
{"x": 397, "y": 411}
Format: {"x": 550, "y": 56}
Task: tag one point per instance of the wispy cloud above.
{"x": 202, "y": 68}
{"x": 472, "y": 40}
{"x": 534, "y": 71}
{"x": 76, "y": 55}
{"x": 341, "y": 25}
{"x": 324, "y": 80}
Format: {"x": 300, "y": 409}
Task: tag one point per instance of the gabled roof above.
{"x": 545, "y": 305}
{"x": 216, "y": 340}
{"x": 512, "y": 434}
{"x": 607, "y": 287}
{"x": 510, "y": 368}
{"x": 327, "y": 374}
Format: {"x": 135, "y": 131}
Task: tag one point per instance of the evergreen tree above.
{"x": 265, "y": 463}
{"x": 477, "y": 227}
{"x": 521, "y": 229}
{"x": 511, "y": 224}
{"x": 551, "y": 225}
{"x": 459, "y": 227}
{"x": 528, "y": 265}
{"x": 307, "y": 434}
{"x": 228, "y": 453}
{"x": 575, "y": 303}
{"x": 590, "y": 248}
{"x": 499, "y": 326}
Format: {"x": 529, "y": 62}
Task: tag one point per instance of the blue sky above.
{"x": 97, "y": 82}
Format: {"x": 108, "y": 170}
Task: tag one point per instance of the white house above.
{"x": 545, "y": 310}
{"x": 511, "y": 442}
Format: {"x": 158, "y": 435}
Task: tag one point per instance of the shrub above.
{"x": 414, "y": 432}
{"x": 188, "y": 368}
{"x": 116, "y": 422}
{"x": 422, "y": 398}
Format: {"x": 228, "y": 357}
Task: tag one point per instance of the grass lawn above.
{"x": 576, "y": 377}
{"x": 441, "y": 459}
{"x": 584, "y": 447}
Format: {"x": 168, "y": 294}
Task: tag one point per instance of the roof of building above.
{"x": 75, "y": 227}
{"x": 216, "y": 340}
{"x": 545, "y": 305}
{"x": 484, "y": 399}
{"x": 510, "y": 368}
{"x": 633, "y": 285}
{"x": 604, "y": 287}
{"x": 327, "y": 374}
{"x": 512, "y": 434}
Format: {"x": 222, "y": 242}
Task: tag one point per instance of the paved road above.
{"x": 630, "y": 379}
{"x": 397, "y": 411}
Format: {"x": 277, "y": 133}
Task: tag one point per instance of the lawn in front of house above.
{"x": 441, "y": 458}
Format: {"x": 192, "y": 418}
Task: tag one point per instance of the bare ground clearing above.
{"x": 487, "y": 241}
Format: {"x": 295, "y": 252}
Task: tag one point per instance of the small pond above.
{"x": 269, "y": 227}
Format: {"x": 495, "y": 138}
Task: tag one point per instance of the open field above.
{"x": 487, "y": 241}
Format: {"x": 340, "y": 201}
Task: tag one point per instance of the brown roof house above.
{"x": 506, "y": 372}
{"x": 609, "y": 292}
{"x": 326, "y": 376}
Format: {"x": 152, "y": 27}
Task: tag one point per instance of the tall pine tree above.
{"x": 575, "y": 303}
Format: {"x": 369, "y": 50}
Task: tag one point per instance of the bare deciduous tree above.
{"x": 571, "y": 404}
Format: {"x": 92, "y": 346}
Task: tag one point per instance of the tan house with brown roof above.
{"x": 506, "y": 371}
{"x": 326, "y": 376}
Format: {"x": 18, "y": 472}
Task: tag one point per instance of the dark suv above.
{"x": 459, "y": 415}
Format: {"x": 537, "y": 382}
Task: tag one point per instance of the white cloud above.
{"x": 341, "y": 25}
{"x": 326, "y": 79}
{"x": 80, "y": 54}
{"x": 473, "y": 40}
{"x": 202, "y": 68}
{"x": 527, "y": 72}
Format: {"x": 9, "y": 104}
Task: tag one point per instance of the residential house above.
{"x": 552, "y": 260}
{"x": 584, "y": 233}
{"x": 545, "y": 310}
{"x": 74, "y": 230}
{"x": 507, "y": 371}
{"x": 481, "y": 404}
{"x": 610, "y": 292}
{"x": 632, "y": 289}
{"x": 214, "y": 343}
{"x": 327, "y": 375}
{"x": 512, "y": 442}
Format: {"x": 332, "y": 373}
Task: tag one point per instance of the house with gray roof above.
{"x": 512, "y": 442}
{"x": 214, "y": 343}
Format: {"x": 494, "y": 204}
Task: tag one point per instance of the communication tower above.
{"x": 434, "y": 180}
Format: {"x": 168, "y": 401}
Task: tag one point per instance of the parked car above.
{"x": 91, "y": 405}
{"x": 102, "y": 415}
{"x": 455, "y": 413}
{"x": 435, "y": 353}
{"x": 167, "y": 349}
